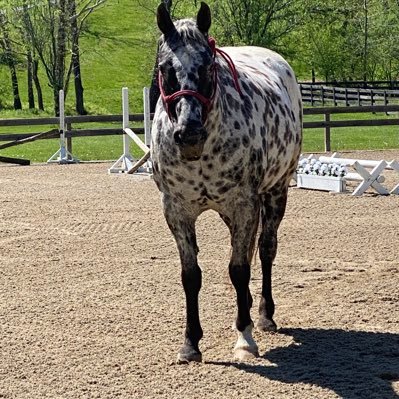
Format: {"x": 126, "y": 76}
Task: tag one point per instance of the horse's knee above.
{"x": 268, "y": 246}
{"x": 239, "y": 276}
{"x": 191, "y": 278}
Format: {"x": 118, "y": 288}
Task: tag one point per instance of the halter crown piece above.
{"x": 206, "y": 102}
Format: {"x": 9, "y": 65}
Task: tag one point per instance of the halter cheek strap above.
{"x": 206, "y": 102}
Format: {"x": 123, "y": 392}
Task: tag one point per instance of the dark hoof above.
{"x": 266, "y": 325}
{"x": 188, "y": 354}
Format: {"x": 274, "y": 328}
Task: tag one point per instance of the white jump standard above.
{"x": 126, "y": 163}
{"x": 62, "y": 156}
{"x": 367, "y": 178}
{"x": 367, "y": 172}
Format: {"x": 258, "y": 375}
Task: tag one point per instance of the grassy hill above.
{"x": 117, "y": 50}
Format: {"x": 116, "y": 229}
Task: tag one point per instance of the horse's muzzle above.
{"x": 190, "y": 141}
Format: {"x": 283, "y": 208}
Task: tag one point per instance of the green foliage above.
{"x": 355, "y": 39}
{"x": 255, "y": 22}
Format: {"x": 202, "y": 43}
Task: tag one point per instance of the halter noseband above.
{"x": 206, "y": 102}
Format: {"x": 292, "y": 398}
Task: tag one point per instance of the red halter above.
{"x": 206, "y": 102}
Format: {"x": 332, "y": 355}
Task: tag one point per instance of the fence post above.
{"x": 334, "y": 99}
{"x": 322, "y": 96}
{"x": 311, "y": 95}
{"x": 327, "y": 132}
{"x": 69, "y": 139}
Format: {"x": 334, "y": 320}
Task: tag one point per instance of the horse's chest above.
{"x": 207, "y": 184}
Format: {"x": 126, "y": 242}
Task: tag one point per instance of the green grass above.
{"x": 84, "y": 148}
{"x": 352, "y": 138}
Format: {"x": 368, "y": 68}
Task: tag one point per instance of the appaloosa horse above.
{"x": 227, "y": 134}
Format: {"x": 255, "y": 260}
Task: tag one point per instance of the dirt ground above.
{"x": 91, "y": 304}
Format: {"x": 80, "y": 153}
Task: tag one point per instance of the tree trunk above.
{"x": 31, "y": 96}
{"x": 37, "y": 85}
{"x": 154, "y": 89}
{"x": 80, "y": 108}
{"x": 366, "y": 36}
{"x": 15, "y": 89}
{"x": 5, "y": 43}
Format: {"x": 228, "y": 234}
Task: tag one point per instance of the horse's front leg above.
{"x": 182, "y": 227}
{"x": 243, "y": 232}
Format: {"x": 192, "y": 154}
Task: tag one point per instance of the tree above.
{"x": 9, "y": 57}
{"x": 154, "y": 88}
{"x": 79, "y": 11}
{"x": 53, "y": 28}
{"x": 256, "y": 22}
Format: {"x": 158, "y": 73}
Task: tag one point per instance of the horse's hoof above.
{"x": 266, "y": 325}
{"x": 245, "y": 354}
{"x": 187, "y": 354}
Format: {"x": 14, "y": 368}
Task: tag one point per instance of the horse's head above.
{"x": 186, "y": 77}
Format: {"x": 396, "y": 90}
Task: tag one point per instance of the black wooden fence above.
{"x": 327, "y": 124}
{"x": 354, "y": 84}
{"x": 322, "y": 95}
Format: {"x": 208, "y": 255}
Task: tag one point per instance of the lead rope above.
{"x": 229, "y": 61}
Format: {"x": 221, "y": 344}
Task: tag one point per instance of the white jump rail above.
{"x": 126, "y": 162}
{"x": 367, "y": 178}
{"x": 62, "y": 156}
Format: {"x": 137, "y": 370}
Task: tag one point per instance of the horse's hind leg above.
{"x": 243, "y": 229}
{"x": 272, "y": 212}
{"x": 183, "y": 228}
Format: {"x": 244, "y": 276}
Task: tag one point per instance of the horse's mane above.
{"x": 188, "y": 31}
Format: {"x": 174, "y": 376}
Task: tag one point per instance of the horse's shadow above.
{"x": 354, "y": 364}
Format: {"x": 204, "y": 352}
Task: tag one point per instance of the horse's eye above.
{"x": 162, "y": 68}
{"x": 202, "y": 73}
{"x": 170, "y": 80}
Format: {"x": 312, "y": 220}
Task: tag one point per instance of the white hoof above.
{"x": 243, "y": 355}
{"x": 246, "y": 347}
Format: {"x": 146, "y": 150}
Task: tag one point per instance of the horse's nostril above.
{"x": 189, "y": 136}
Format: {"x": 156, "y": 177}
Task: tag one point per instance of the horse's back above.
{"x": 276, "y": 81}
{"x": 266, "y": 67}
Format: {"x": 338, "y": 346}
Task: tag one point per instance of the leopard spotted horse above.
{"x": 226, "y": 136}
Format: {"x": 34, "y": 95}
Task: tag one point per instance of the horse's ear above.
{"x": 164, "y": 20}
{"x": 204, "y": 18}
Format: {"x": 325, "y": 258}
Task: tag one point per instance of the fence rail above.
{"x": 327, "y": 124}
{"x": 319, "y": 94}
{"x": 375, "y": 84}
